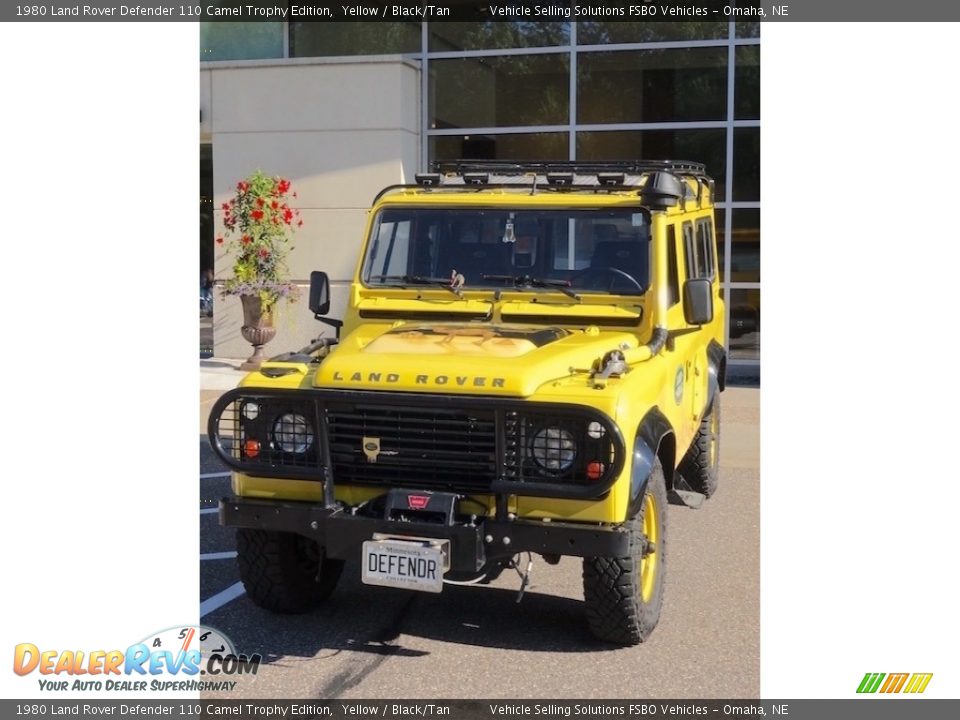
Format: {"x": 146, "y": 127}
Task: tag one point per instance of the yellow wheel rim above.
{"x": 650, "y": 561}
{"x": 714, "y": 432}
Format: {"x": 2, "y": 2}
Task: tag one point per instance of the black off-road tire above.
{"x": 285, "y": 572}
{"x": 700, "y": 467}
{"x": 617, "y": 612}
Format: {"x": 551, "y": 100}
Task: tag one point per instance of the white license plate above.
{"x": 409, "y": 565}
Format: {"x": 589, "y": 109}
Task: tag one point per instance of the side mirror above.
{"x": 319, "y": 302}
{"x": 698, "y": 301}
{"x": 319, "y": 293}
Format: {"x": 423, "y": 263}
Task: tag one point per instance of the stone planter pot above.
{"x": 257, "y": 330}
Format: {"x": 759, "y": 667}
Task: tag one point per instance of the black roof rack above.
{"x": 579, "y": 167}
{"x": 657, "y": 182}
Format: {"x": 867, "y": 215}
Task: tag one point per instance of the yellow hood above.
{"x": 471, "y": 359}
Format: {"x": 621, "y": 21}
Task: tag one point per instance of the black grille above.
{"x": 462, "y": 445}
{"x": 430, "y": 448}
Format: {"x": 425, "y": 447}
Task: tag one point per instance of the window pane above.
{"x": 318, "y": 39}
{"x": 652, "y": 85}
{"x": 596, "y": 250}
{"x": 745, "y": 258}
{"x": 747, "y": 83}
{"x": 745, "y": 324}
{"x": 690, "y": 261}
{"x": 705, "y": 249}
{"x": 703, "y": 146}
{"x": 673, "y": 277}
{"x": 719, "y": 217}
{"x": 748, "y": 29}
{"x": 746, "y": 164}
{"x": 451, "y": 36}
{"x": 500, "y": 91}
{"x": 602, "y": 33}
{"x": 240, "y": 40}
{"x": 538, "y": 146}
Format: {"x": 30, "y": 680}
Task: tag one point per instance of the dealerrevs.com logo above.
{"x": 894, "y": 682}
{"x": 187, "y": 658}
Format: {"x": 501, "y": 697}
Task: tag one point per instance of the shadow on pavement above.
{"x": 366, "y": 619}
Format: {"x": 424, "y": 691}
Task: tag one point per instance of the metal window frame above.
{"x": 572, "y": 127}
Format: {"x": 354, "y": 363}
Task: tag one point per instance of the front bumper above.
{"x": 472, "y": 546}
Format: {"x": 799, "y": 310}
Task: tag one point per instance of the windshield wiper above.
{"x": 420, "y": 280}
{"x": 524, "y": 281}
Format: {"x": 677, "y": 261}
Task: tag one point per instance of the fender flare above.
{"x": 650, "y": 434}
{"x": 716, "y": 371}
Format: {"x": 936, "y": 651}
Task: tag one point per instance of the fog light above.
{"x": 596, "y": 430}
{"x": 250, "y": 410}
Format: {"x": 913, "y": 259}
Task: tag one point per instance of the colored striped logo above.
{"x": 894, "y": 682}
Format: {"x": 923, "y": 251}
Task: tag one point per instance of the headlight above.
{"x": 293, "y": 434}
{"x": 554, "y": 449}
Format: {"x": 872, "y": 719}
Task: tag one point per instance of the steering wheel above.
{"x": 604, "y": 278}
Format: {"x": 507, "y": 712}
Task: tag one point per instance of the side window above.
{"x": 673, "y": 282}
{"x": 691, "y": 260}
{"x": 708, "y": 263}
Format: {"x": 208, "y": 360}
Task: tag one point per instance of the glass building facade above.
{"x": 574, "y": 91}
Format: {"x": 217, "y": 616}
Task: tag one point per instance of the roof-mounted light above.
{"x": 428, "y": 179}
{"x": 560, "y": 179}
{"x": 611, "y": 178}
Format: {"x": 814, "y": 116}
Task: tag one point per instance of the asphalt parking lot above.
{"x": 369, "y": 642}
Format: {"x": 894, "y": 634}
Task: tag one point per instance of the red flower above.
{"x": 219, "y": 241}
{"x": 274, "y": 204}
{"x": 226, "y": 207}
{"x": 259, "y": 202}
{"x": 257, "y": 214}
{"x": 287, "y": 215}
{"x": 243, "y": 186}
{"x": 283, "y": 186}
{"x": 264, "y": 252}
{"x": 246, "y": 239}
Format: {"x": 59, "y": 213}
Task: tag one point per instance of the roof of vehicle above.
{"x": 659, "y": 184}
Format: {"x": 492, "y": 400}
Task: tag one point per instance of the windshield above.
{"x": 596, "y": 250}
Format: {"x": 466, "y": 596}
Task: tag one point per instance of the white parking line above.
{"x": 207, "y": 476}
{"x": 209, "y": 511}
{"x": 218, "y": 556}
{"x": 221, "y": 598}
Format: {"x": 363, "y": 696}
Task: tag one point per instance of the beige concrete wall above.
{"x": 340, "y": 131}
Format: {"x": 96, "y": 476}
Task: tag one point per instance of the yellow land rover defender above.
{"x": 530, "y": 362}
